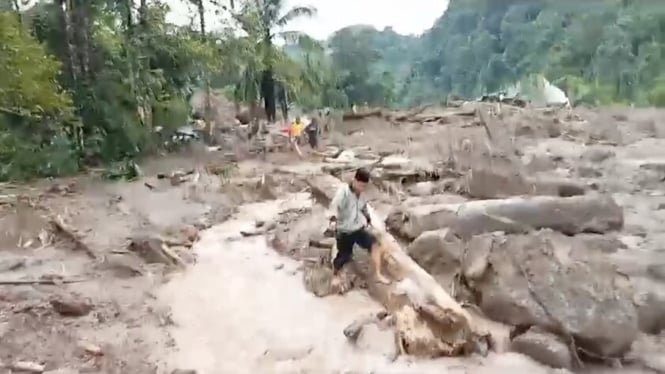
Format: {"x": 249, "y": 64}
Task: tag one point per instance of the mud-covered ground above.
{"x": 76, "y": 296}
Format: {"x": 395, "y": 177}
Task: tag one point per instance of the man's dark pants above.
{"x": 345, "y": 242}
{"x": 313, "y": 139}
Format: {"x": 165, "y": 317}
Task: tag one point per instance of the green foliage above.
{"x": 598, "y": 51}
{"x": 32, "y": 103}
{"x": 86, "y": 82}
{"x": 28, "y": 75}
{"x": 368, "y": 63}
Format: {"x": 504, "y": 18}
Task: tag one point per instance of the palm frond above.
{"x": 291, "y": 37}
{"x": 295, "y": 12}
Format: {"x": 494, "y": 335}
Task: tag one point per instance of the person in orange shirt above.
{"x": 296, "y": 130}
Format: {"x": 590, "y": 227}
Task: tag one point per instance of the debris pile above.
{"x": 477, "y": 237}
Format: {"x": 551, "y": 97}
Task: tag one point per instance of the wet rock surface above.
{"x": 537, "y": 280}
{"x": 544, "y": 347}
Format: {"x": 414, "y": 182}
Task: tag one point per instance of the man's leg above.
{"x": 312, "y": 140}
{"x": 344, "y": 251}
{"x": 368, "y": 241}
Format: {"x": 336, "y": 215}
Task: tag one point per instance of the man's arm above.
{"x": 365, "y": 212}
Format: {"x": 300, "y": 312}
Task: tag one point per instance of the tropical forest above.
{"x": 85, "y": 83}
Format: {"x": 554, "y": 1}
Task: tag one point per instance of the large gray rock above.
{"x": 482, "y": 183}
{"x": 546, "y": 348}
{"x": 570, "y": 215}
{"x": 577, "y": 297}
{"x": 650, "y": 306}
{"x": 537, "y": 280}
{"x": 440, "y": 253}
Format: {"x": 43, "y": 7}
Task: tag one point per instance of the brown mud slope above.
{"x": 520, "y": 239}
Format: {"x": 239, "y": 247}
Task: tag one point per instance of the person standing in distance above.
{"x": 349, "y": 221}
{"x": 313, "y": 131}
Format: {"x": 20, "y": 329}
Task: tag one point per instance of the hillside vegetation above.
{"x": 85, "y": 84}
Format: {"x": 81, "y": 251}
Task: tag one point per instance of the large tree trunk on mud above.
{"x": 569, "y": 215}
{"x": 488, "y": 183}
{"x": 429, "y": 321}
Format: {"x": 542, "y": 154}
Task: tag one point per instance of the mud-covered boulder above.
{"x": 538, "y": 280}
{"x": 531, "y": 281}
{"x": 492, "y": 184}
{"x": 317, "y": 279}
{"x": 426, "y": 188}
{"x": 440, "y": 253}
{"x": 544, "y": 347}
{"x": 650, "y": 304}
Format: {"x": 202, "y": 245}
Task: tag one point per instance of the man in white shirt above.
{"x": 349, "y": 221}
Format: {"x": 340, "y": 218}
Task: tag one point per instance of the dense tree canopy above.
{"x": 598, "y": 51}
{"x": 87, "y": 82}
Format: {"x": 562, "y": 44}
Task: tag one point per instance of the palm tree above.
{"x": 272, "y": 21}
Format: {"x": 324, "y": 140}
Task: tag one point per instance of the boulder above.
{"x": 440, "y": 253}
{"x": 533, "y": 282}
{"x": 317, "y": 280}
{"x": 544, "y": 347}
{"x": 426, "y": 188}
{"x": 71, "y": 306}
{"x": 491, "y": 184}
{"x": 651, "y": 311}
{"x": 538, "y": 280}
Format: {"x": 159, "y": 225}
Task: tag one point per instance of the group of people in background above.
{"x": 312, "y": 130}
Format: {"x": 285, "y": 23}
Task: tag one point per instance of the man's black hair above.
{"x": 362, "y": 175}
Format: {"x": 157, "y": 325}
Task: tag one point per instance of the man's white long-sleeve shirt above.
{"x": 349, "y": 210}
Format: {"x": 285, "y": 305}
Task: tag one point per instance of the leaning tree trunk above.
{"x": 268, "y": 93}
{"x": 428, "y": 321}
{"x": 17, "y": 9}
{"x": 283, "y": 100}
{"x": 268, "y": 81}
{"x": 82, "y": 16}
{"x": 143, "y": 15}
{"x": 66, "y": 7}
{"x": 73, "y": 67}
{"x": 209, "y": 120}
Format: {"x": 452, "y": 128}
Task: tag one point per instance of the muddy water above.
{"x": 243, "y": 309}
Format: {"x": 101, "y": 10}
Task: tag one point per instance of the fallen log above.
{"x": 569, "y": 215}
{"x": 429, "y": 321}
{"x": 442, "y": 117}
{"x": 61, "y": 229}
{"x": 361, "y": 115}
{"x": 49, "y": 282}
{"x": 480, "y": 183}
{"x": 404, "y": 116}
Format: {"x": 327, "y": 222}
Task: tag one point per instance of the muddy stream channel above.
{"x": 242, "y": 308}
